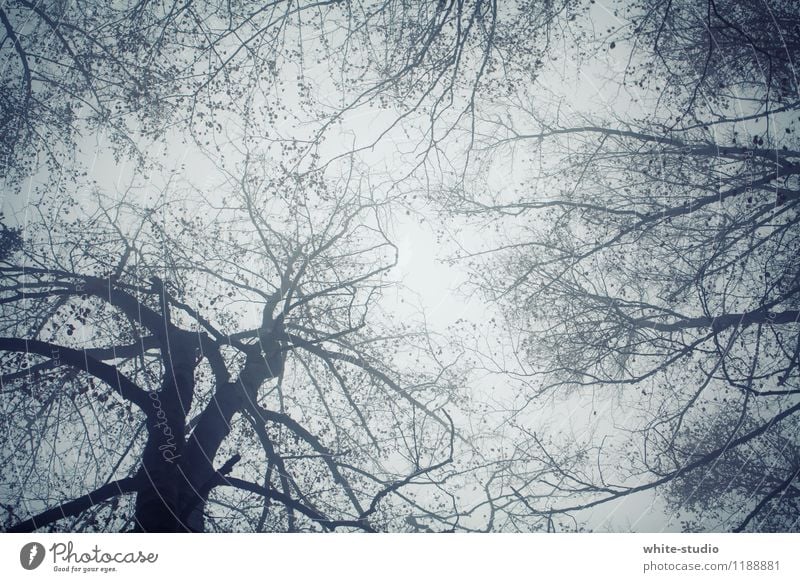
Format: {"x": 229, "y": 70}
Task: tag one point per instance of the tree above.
{"x": 198, "y": 360}
{"x": 230, "y": 348}
{"x": 218, "y": 345}
{"x": 132, "y": 72}
{"x": 652, "y": 267}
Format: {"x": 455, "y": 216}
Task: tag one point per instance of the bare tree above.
{"x": 218, "y": 360}
{"x": 213, "y": 353}
{"x": 653, "y": 263}
{"x": 227, "y": 366}
{"x": 135, "y": 71}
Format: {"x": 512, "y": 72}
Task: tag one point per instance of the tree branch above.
{"x": 783, "y": 486}
{"x": 296, "y": 505}
{"x": 81, "y": 360}
{"x": 76, "y": 506}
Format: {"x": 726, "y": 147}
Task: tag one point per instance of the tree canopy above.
{"x": 653, "y": 260}
{"x": 205, "y": 322}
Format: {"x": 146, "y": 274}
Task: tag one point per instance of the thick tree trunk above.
{"x": 213, "y": 426}
{"x": 201, "y": 448}
{"x": 158, "y": 504}
{"x": 179, "y": 471}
